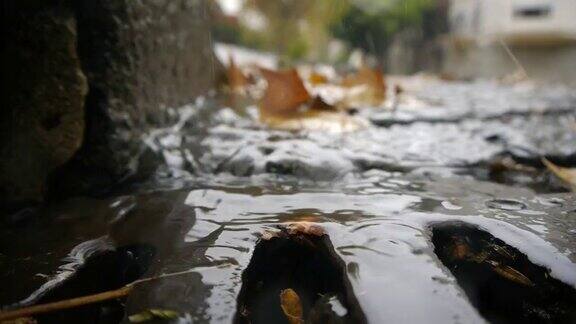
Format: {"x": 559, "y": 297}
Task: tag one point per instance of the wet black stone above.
{"x": 498, "y": 298}
{"x": 308, "y": 265}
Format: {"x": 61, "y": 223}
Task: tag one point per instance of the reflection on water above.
{"x": 382, "y": 238}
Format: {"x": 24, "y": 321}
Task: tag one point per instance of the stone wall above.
{"x": 87, "y": 80}
{"x": 42, "y": 100}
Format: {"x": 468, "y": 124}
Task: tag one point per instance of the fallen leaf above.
{"x": 568, "y": 175}
{"x": 305, "y": 228}
{"x": 480, "y": 257}
{"x": 236, "y": 78}
{"x": 153, "y": 313}
{"x": 369, "y": 84}
{"x": 285, "y": 92}
{"x": 291, "y": 306}
{"x": 319, "y": 104}
{"x": 268, "y": 235}
{"x": 334, "y": 122}
{"x": 460, "y": 250}
{"x": 287, "y": 105}
{"x": 502, "y": 250}
{"x": 511, "y": 273}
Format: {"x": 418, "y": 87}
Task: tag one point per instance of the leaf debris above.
{"x": 567, "y": 175}
{"x": 291, "y": 306}
{"x": 153, "y": 313}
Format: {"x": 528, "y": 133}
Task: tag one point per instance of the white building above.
{"x": 541, "y": 33}
{"x": 520, "y": 22}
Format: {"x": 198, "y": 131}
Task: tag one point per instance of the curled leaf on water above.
{"x": 501, "y": 165}
{"x": 319, "y": 104}
{"x": 287, "y": 105}
{"x": 291, "y": 306}
{"x": 370, "y": 84}
{"x": 510, "y": 273}
{"x": 285, "y": 92}
{"x": 237, "y": 81}
{"x": 153, "y": 313}
{"x": 315, "y": 120}
{"x": 567, "y": 175}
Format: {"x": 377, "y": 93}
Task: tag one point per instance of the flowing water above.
{"x": 378, "y": 193}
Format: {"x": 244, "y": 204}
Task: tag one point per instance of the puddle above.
{"x": 499, "y": 280}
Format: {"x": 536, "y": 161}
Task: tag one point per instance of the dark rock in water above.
{"x": 308, "y": 265}
{"x": 104, "y": 271}
{"x": 500, "y": 281}
{"x": 85, "y": 81}
{"x": 42, "y": 114}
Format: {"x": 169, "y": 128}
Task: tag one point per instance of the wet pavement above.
{"x": 378, "y": 193}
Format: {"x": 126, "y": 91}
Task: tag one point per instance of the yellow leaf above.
{"x": 153, "y": 313}
{"x": 291, "y": 306}
{"x": 568, "y": 175}
{"x": 511, "y": 274}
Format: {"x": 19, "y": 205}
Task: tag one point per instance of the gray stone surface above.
{"x": 86, "y": 80}
{"x": 141, "y": 58}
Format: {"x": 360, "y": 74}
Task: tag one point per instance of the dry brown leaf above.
{"x": 373, "y": 82}
{"x": 291, "y": 306}
{"x": 151, "y": 314}
{"x": 319, "y": 104}
{"x": 268, "y": 235}
{"x": 309, "y": 228}
{"x": 511, "y": 274}
{"x": 460, "y": 250}
{"x": 236, "y": 78}
{"x": 568, "y": 175}
{"x": 285, "y": 92}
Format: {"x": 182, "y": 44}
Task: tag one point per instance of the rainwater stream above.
{"x": 379, "y": 193}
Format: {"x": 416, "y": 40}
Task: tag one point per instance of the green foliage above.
{"x": 371, "y": 24}
{"x": 295, "y": 29}
{"x": 299, "y": 29}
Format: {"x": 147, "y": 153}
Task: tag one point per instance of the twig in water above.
{"x": 519, "y": 67}
{"x": 81, "y": 301}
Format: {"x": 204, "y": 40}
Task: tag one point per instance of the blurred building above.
{"x": 492, "y": 38}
